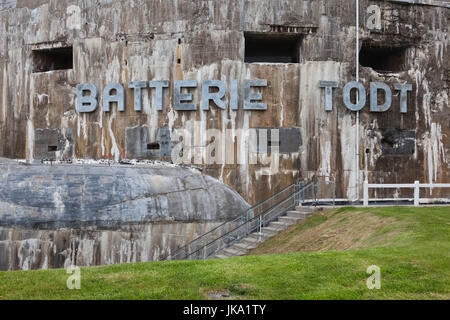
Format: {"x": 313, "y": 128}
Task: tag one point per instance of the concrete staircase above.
{"x": 254, "y": 239}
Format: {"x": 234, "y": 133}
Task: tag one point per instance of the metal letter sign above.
{"x": 403, "y": 88}
{"x": 216, "y": 97}
{"x": 375, "y": 87}
{"x": 362, "y": 96}
{"x": 328, "y": 85}
{"x": 182, "y": 101}
{"x": 137, "y": 86}
{"x": 159, "y": 85}
{"x": 178, "y": 97}
{"x": 86, "y": 103}
{"x": 250, "y": 96}
{"x": 118, "y": 97}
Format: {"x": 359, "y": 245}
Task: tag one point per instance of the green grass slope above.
{"x": 410, "y": 245}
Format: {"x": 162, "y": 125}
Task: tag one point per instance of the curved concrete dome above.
{"x": 71, "y": 196}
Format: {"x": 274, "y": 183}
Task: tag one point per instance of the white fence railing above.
{"x": 416, "y": 186}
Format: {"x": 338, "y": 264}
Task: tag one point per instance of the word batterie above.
{"x": 87, "y": 95}
{"x": 375, "y": 87}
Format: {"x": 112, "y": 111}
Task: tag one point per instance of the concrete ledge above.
{"x": 423, "y": 3}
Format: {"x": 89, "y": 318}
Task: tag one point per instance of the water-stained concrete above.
{"x": 124, "y": 41}
{"x": 51, "y": 216}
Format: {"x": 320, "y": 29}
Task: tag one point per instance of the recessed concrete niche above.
{"x": 288, "y": 140}
{"x": 396, "y": 142}
{"x": 52, "y": 59}
{"x": 383, "y": 59}
{"x": 139, "y": 144}
{"x": 273, "y": 47}
{"x": 46, "y": 143}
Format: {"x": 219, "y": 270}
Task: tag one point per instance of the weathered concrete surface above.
{"x": 106, "y": 196}
{"x": 123, "y": 41}
{"x": 29, "y": 249}
{"x": 51, "y": 216}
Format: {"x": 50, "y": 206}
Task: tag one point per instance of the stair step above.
{"x": 233, "y": 252}
{"x": 270, "y": 230}
{"x": 257, "y": 236}
{"x": 246, "y": 246}
{"x": 290, "y": 220}
{"x": 251, "y": 240}
{"x": 279, "y": 225}
{"x": 238, "y": 250}
{"x": 226, "y": 253}
{"x": 305, "y": 209}
{"x": 271, "y": 234}
{"x": 300, "y": 215}
{"x": 274, "y": 227}
{"x": 220, "y": 256}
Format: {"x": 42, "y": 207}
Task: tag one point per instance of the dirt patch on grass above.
{"x": 234, "y": 291}
{"x": 334, "y": 230}
{"x": 216, "y": 294}
{"x": 118, "y": 276}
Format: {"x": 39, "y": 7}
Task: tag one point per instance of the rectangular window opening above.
{"x": 52, "y": 148}
{"x": 52, "y": 59}
{"x": 397, "y": 142}
{"x": 153, "y": 146}
{"x": 383, "y": 59}
{"x": 272, "y": 47}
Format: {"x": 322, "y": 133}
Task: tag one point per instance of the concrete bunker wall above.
{"x": 61, "y": 215}
{"x": 123, "y": 41}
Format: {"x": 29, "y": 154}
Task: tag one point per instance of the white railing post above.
{"x": 416, "y": 186}
{"x": 416, "y": 193}
{"x": 366, "y": 193}
{"x": 260, "y": 224}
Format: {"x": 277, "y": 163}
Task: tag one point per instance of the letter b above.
{"x": 86, "y": 103}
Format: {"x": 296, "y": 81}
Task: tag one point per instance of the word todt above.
{"x": 374, "y": 88}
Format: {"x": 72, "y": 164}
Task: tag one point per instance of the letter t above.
{"x": 328, "y": 85}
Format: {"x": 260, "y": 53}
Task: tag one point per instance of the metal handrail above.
{"x": 296, "y": 194}
{"x": 315, "y": 187}
{"x": 248, "y": 230}
{"x": 245, "y": 216}
{"x": 265, "y": 219}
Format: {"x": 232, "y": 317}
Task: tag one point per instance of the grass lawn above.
{"x": 410, "y": 245}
